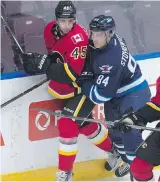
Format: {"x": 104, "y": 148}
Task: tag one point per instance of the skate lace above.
{"x": 61, "y": 175}
{"x": 122, "y": 169}
{"x": 112, "y": 157}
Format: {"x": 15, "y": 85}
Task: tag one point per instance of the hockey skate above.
{"x": 114, "y": 160}
{"x": 122, "y": 170}
{"x": 63, "y": 176}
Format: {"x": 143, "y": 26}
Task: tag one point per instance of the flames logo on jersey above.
{"x": 57, "y": 56}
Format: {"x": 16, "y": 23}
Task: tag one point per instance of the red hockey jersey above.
{"x": 151, "y": 111}
{"x": 156, "y": 99}
{"x": 72, "y": 48}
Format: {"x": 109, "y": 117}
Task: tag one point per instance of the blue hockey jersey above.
{"x": 116, "y": 73}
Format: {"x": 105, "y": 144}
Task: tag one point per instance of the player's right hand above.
{"x": 130, "y": 119}
{"x": 123, "y": 124}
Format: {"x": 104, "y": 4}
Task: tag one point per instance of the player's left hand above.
{"x": 35, "y": 63}
{"x": 122, "y": 125}
{"x": 85, "y": 75}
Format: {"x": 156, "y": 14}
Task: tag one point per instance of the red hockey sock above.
{"x": 68, "y": 132}
{"x": 98, "y": 134}
{"x": 141, "y": 170}
{"x": 66, "y": 162}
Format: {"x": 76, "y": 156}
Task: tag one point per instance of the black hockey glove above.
{"x": 131, "y": 119}
{"x": 122, "y": 125}
{"x": 35, "y": 63}
{"x": 85, "y": 75}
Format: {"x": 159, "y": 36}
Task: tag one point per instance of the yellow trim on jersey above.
{"x": 153, "y": 106}
{"x": 75, "y": 84}
{"x": 71, "y": 76}
{"x": 79, "y": 105}
{"x": 78, "y": 88}
{"x": 58, "y": 96}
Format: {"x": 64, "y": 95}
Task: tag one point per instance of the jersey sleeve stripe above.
{"x": 90, "y": 95}
{"x": 80, "y": 105}
{"x": 137, "y": 82}
{"x": 99, "y": 96}
{"x": 69, "y": 73}
{"x": 151, "y": 104}
{"x": 96, "y": 97}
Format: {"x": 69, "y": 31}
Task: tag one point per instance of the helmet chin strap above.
{"x": 108, "y": 38}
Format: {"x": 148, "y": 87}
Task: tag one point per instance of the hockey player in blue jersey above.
{"x": 118, "y": 83}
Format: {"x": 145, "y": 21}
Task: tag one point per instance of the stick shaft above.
{"x": 95, "y": 120}
{"x": 23, "y": 93}
{"x": 20, "y": 48}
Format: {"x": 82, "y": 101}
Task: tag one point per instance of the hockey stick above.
{"x": 95, "y": 120}
{"x": 23, "y": 93}
{"x": 131, "y": 177}
{"x": 20, "y": 48}
{"x": 13, "y": 36}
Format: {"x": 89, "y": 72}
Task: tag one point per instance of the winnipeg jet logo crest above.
{"x": 105, "y": 68}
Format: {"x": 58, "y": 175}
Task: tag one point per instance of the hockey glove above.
{"x": 131, "y": 119}
{"x": 122, "y": 125}
{"x": 85, "y": 75}
{"x": 35, "y": 63}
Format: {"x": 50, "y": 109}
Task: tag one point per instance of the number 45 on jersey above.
{"x": 79, "y": 52}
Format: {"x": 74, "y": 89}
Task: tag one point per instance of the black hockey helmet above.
{"x": 102, "y": 23}
{"x": 65, "y": 9}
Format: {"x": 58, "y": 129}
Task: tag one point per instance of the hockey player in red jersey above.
{"x": 66, "y": 43}
{"x": 148, "y": 154}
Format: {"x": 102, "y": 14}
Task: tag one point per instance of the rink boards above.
{"x": 29, "y": 140}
